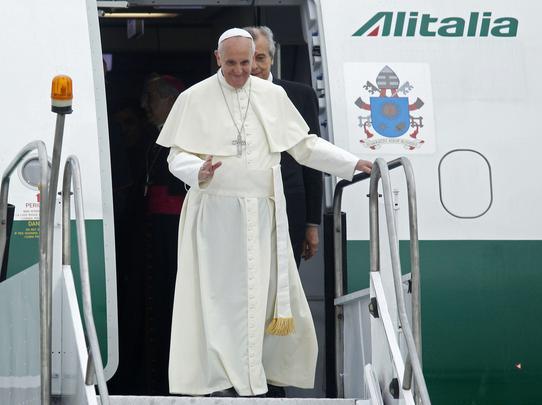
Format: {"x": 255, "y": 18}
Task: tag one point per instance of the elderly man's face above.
{"x": 156, "y": 107}
{"x": 235, "y": 60}
{"x": 262, "y": 60}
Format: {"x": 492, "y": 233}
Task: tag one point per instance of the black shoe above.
{"x": 228, "y": 392}
{"x": 274, "y": 391}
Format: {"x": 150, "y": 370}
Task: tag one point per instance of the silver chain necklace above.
{"x": 239, "y": 142}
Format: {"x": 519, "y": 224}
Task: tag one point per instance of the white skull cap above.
{"x": 234, "y": 32}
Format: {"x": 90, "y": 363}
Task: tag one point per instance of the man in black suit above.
{"x": 302, "y": 185}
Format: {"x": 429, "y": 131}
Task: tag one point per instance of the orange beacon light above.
{"x": 61, "y": 94}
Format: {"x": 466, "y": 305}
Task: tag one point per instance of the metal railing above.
{"x": 45, "y": 278}
{"x": 72, "y": 175}
{"x": 61, "y": 105}
{"x": 381, "y": 170}
{"x": 339, "y": 282}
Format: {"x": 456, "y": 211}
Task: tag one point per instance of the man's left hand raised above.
{"x": 207, "y": 169}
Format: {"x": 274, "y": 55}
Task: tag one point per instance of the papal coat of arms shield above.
{"x": 390, "y": 116}
{"x": 393, "y": 115}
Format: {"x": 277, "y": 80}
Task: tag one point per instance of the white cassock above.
{"x": 234, "y": 247}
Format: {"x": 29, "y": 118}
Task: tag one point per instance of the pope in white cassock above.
{"x": 240, "y": 317}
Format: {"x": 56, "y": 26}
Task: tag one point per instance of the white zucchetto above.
{"x": 233, "y": 32}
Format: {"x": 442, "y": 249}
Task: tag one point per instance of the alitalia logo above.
{"x": 413, "y": 23}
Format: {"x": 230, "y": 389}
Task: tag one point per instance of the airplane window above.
{"x": 465, "y": 183}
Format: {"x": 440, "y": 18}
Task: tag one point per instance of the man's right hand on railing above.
{"x": 364, "y": 166}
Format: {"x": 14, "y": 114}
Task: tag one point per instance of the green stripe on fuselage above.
{"x": 481, "y": 317}
{"x": 24, "y": 252}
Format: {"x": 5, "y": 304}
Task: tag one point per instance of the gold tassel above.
{"x": 281, "y": 326}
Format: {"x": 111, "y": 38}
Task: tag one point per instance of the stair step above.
{"x": 142, "y": 400}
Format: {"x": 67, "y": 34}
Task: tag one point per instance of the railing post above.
{"x": 339, "y": 282}
{"x": 396, "y": 268}
{"x": 374, "y": 233}
{"x": 414, "y": 267}
{"x": 72, "y": 175}
{"x": 61, "y": 97}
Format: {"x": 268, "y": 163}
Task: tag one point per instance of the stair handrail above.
{"x": 338, "y": 257}
{"x": 72, "y": 176}
{"x": 414, "y": 269}
{"x": 44, "y": 267}
{"x": 380, "y": 170}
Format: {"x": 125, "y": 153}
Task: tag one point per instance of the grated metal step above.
{"x": 140, "y": 400}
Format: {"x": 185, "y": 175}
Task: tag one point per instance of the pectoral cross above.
{"x": 240, "y": 143}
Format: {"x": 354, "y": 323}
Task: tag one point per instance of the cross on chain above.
{"x": 239, "y": 142}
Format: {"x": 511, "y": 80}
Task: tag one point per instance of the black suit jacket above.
{"x": 302, "y": 185}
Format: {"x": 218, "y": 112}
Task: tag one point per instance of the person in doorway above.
{"x": 240, "y": 317}
{"x": 164, "y": 196}
{"x": 302, "y": 185}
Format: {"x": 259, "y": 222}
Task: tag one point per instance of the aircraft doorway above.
{"x": 178, "y": 44}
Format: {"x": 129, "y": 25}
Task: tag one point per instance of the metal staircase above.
{"x": 72, "y": 174}
{"x": 72, "y": 384}
{"x": 387, "y": 345}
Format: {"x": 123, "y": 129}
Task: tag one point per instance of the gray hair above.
{"x": 221, "y": 47}
{"x": 165, "y": 86}
{"x": 266, "y": 33}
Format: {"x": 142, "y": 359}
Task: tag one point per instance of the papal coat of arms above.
{"x": 390, "y": 113}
